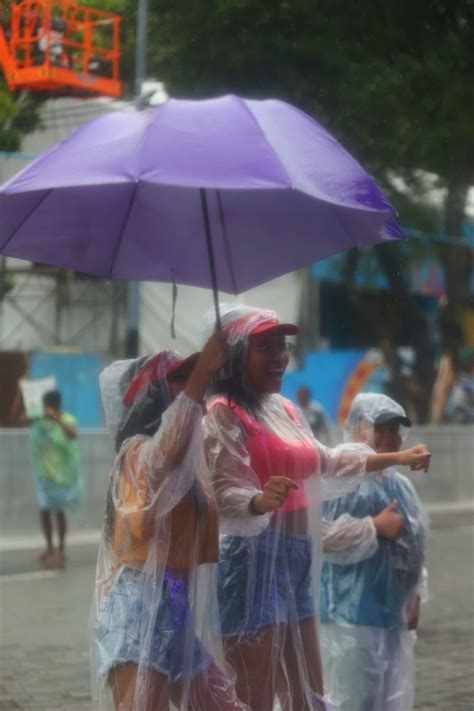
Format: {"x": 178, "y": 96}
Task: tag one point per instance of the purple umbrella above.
{"x": 225, "y": 192}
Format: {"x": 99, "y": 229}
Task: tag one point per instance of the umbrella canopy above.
{"x": 130, "y": 195}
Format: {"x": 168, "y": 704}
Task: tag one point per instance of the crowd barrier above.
{"x": 449, "y": 484}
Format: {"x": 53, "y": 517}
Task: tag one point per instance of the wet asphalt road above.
{"x": 43, "y": 626}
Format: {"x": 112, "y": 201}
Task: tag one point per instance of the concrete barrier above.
{"x": 448, "y": 486}
{"x": 18, "y": 509}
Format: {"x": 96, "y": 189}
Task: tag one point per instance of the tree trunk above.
{"x": 456, "y": 260}
{"x": 417, "y": 387}
{"x": 411, "y": 390}
{"x": 441, "y": 389}
{"x": 456, "y": 255}
{"x": 309, "y": 318}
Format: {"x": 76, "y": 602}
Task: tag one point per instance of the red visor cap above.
{"x": 288, "y": 329}
{"x": 239, "y": 327}
{"x": 162, "y": 365}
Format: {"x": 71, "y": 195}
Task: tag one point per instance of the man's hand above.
{"x": 416, "y": 458}
{"x": 68, "y": 428}
{"x": 275, "y": 493}
{"x": 413, "y": 613}
{"x": 388, "y": 523}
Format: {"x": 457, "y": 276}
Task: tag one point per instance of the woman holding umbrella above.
{"x": 155, "y": 615}
{"x": 267, "y": 470}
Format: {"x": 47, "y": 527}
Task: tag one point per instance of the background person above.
{"x": 59, "y": 486}
{"x": 372, "y": 578}
{"x": 155, "y": 631}
{"x": 315, "y": 415}
{"x": 52, "y": 39}
{"x": 267, "y": 468}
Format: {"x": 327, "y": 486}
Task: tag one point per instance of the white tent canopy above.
{"x": 282, "y": 295}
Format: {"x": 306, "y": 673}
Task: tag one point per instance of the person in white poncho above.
{"x": 373, "y": 575}
{"x": 155, "y": 627}
{"x": 267, "y": 468}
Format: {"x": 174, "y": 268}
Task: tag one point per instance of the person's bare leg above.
{"x": 255, "y": 659}
{"x": 47, "y": 529}
{"x": 212, "y": 690}
{"x": 300, "y": 678}
{"x": 62, "y": 529}
{"x": 122, "y": 680}
{"x": 312, "y": 654}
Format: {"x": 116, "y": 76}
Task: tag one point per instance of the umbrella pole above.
{"x": 210, "y": 253}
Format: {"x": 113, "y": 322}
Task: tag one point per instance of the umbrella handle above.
{"x": 225, "y": 373}
{"x": 210, "y": 254}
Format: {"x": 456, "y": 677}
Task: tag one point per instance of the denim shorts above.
{"x": 264, "y": 580}
{"x": 124, "y": 620}
{"x": 55, "y": 498}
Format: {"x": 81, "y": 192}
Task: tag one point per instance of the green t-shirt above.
{"x": 55, "y": 455}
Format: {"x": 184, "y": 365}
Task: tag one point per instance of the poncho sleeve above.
{"x": 348, "y": 539}
{"x": 342, "y": 467}
{"x": 156, "y": 472}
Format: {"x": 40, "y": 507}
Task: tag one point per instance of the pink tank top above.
{"x": 271, "y": 455}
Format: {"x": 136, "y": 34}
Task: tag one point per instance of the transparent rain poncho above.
{"x": 269, "y": 564}
{"x": 371, "y": 586}
{"x": 155, "y": 636}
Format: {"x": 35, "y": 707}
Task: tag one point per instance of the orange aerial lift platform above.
{"x": 60, "y": 48}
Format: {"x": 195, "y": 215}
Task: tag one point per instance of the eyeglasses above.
{"x": 271, "y": 349}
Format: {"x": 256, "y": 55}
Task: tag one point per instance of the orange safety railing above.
{"x": 62, "y": 48}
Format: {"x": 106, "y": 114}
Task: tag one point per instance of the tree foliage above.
{"x": 18, "y": 111}
{"x": 392, "y": 80}
{"x": 19, "y": 115}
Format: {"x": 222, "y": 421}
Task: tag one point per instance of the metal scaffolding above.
{"x": 43, "y": 307}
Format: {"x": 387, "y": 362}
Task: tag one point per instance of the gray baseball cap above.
{"x": 388, "y": 416}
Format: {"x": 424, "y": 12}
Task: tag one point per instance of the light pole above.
{"x": 140, "y": 52}
{"x": 133, "y": 291}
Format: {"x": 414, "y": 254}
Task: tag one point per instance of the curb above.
{"x": 92, "y": 538}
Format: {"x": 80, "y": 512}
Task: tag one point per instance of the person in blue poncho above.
{"x": 373, "y": 574}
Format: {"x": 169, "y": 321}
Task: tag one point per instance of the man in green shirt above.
{"x": 59, "y": 485}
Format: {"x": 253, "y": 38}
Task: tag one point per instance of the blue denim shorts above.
{"x": 55, "y": 498}
{"x": 123, "y": 622}
{"x": 264, "y": 580}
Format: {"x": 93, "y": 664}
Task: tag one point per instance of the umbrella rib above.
{"x": 122, "y": 231}
{"x": 341, "y": 224}
{"x": 26, "y": 219}
{"x": 268, "y": 142}
{"x": 230, "y": 261}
